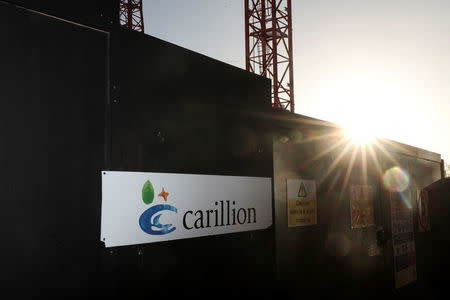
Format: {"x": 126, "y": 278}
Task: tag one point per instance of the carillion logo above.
{"x": 149, "y": 220}
{"x": 223, "y": 213}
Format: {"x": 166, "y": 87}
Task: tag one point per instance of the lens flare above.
{"x": 360, "y": 135}
{"x": 311, "y": 134}
{"x": 406, "y": 200}
{"x": 284, "y": 139}
{"x": 396, "y": 179}
{"x": 338, "y": 244}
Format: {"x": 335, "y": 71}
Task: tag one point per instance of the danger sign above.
{"x": 301, "y": 202}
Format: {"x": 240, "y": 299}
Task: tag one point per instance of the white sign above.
{"x": 140, "y": 208}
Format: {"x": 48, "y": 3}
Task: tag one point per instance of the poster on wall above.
{"x": 403, "y": 239}
{"x": 301, "y": 202}
{"x": 423, "y": 210}
{"x": 361, "y": 205}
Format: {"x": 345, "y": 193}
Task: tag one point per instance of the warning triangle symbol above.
{"x": 302, "y": 191}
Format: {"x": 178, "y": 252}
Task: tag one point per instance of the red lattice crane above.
{"x": 131, "y": 14}
{"x": 268, "y": 47}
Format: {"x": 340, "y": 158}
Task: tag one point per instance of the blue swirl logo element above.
{"x": 151, "y": 225}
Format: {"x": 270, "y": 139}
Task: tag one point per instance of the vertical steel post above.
{"x": 247, "y": 36}
{"x": 291, "y": 54}
{"x": 275, "y": 83}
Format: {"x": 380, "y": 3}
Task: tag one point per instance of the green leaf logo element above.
{"x": 147, "y": 192}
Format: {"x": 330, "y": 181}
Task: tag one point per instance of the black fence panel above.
{"x": 176, "y": 111}
{"x": 101, "y": 14}
{"x": 52, "y": 112}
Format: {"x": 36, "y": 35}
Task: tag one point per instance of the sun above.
{"x": 360, "y": 130}
{"x": 365, "y": 99}
{"x": 360, "y": 134}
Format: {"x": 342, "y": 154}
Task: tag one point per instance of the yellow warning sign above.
{"x": 301, "y": 202}
{"x": 302, "y": 191}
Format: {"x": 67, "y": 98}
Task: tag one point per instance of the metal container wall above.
{"x": 332, "y": 257}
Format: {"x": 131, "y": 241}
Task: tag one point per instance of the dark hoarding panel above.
{"x": 53, "y": 95}
{"x": 101, "y": 14}
{"x": 438, "y": 238}
{"x": 177, "y": 111}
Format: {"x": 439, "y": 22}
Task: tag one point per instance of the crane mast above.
{"x": 268, "y": 43}
{"x": 131, "y": 15}
{"x": 268, "y": 47}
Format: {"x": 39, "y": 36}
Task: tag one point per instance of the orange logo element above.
{"x": 163, "y": 194}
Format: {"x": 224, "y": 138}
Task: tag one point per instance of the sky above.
{"x": 383, "y": 65}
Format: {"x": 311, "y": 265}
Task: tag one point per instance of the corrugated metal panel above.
{"x": 331, "y": 253}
